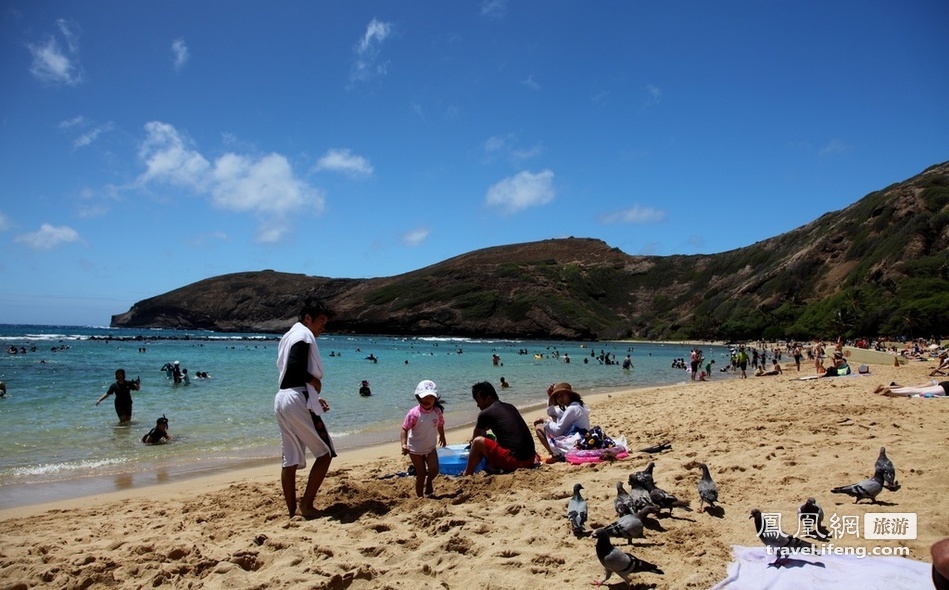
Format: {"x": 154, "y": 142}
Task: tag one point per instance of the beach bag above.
{"x": 594, "y": 438}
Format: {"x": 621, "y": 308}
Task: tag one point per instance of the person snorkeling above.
{"x": 159, "y": 434}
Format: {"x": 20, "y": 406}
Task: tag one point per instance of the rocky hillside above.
{"x": 880, "y": 266}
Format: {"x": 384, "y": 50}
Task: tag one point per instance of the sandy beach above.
{"x": 770, "y": 442}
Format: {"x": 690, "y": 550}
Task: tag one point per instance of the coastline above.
{"x": 127, "y": 482}
{"x": 77, "y": 492}
{"x": 770, "y": 442}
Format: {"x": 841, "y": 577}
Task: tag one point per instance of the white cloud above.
{"x": 343, "y": 160}
{"x": 271, "y": 232}
{"x": 415, "y": 237}
{"x": 169, "y": 160}
{"x": 376, "y": 32}
{"x": 494, "y": 8}
{"x": 366, "y": 63}
{"x": 4, "y": 222}
{"x": 654, "y": 93}
{"x": 521, "y": 154}
{"x": 530, "y": 83}
{"x": 505, "y": 146}
{"x": 654, "y": 96}
{"x": 636, "y": 214}
{"x": 51, "y": 64}
{"x": 90, "y": 136}
{"x": 48, "y": 237}
{"x": 180, "y": 54}
{"x": 521, "y": 191}
{"x": 69, "y": 123}
{"x": 264, "y": 185}
{"x": 69, "y": 34}
{"x": 833, "y": 147}
{"x": 496, "y": 143}
{"x": 89, "y": 131}
{"x": 91, "y": 211}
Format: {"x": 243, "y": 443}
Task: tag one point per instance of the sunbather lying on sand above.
{"x": 928, "y": 389}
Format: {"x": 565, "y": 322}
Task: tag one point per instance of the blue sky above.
{"x": 148, "y": 145}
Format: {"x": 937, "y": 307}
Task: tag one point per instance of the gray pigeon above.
{"x": 816, "y": 516}
{"x": 577, "y": 511}
{"x": 657, "y": 496}
{"x": 782, "y": 542}
{"x": 621, "y": 501}
{"x": 638, "y": 497}
{"x": 619, "y": 562}
{"x": 629, "y": 526}
{"x": 708, "y": 491}
{"x": 889, "y": 472}
{"x": 868, "y": 489}
{"x": 625, "y": 503}
{"x": 645, "y": 475}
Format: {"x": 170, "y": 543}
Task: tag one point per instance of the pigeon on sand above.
{"x": 619, "y": 562}
{"x": 777, "y": 539}
{"x": 657, "y": 496}
{"x": 867, "y": 489}
{"x": 889, "y": 472}
{"x": 577, "y": 511}
{"x": 622, "y": 503}
{"x": 638, "y": 497}
{"x": 645, "y": 475}
{"x": 813, "y": 514}
{"x": 628, "y": 526}
{"x": 708, "y": 491}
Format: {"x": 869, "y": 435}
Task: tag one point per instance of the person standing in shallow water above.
{"x": 299, "y": 407}
{"x": 123, "y": 396}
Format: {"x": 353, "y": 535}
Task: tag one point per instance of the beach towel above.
{"x": 298, "y": 332}
{"x": 752, "y": 570}
{"x": 580, "y": 456}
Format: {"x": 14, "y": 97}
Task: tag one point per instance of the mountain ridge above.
{"x": 879, "y": 265}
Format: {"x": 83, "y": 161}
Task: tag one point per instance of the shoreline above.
{"x": 139, "y": 483}
{"x": 82, "y": 485}
{"x": 770, "y": 442}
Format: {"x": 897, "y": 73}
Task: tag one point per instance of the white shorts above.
{"x": 297, "y": 431}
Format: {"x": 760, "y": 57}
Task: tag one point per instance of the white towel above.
{"x": 751, "y": 570}
{"x": 300, "y": 333}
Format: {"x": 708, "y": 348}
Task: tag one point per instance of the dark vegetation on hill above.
{"x": 878, "y": 267}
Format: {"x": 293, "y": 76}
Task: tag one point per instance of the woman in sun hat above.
{"x": 558, "y": 433}
{"x": 423, "y": 430}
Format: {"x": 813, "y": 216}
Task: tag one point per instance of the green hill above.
{"x": 878, "y": 267}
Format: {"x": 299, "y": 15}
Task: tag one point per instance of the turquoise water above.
{"x": 54, "y": 434}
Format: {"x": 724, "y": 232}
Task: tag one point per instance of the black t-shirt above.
{"x": 122, "y": 392}
{"x": 509, "y": 429}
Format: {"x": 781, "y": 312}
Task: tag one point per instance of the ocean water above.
{"x": 55, "y": 436}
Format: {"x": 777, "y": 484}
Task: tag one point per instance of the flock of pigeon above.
{"x": 645, "y": 498}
